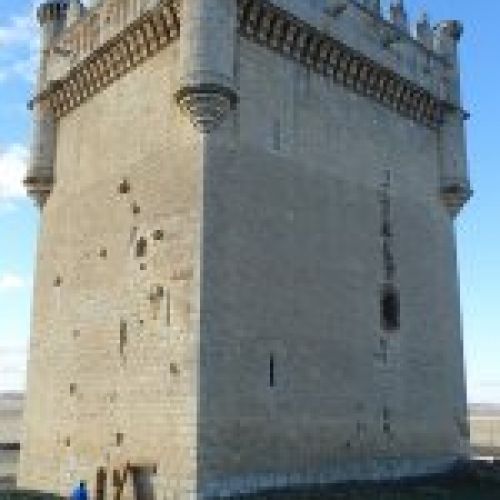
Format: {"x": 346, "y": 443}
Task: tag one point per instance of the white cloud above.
{"x": 20, "y": 30}
{"x": 13, "y": 165}
{"x": 11, "y": 282}
{"x": 19, "y": 42}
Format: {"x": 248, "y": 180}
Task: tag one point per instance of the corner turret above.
{"x": 455, "y": 184}
{"x": 75, "y": 11}
{"x": 208, "y": 37}
{"x": 51, "y": 17}
{"x": 39, "y": 180}
{"x": 424, "y": 32}
{"x": 398, "y": 14}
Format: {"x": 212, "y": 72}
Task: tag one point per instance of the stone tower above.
{"x": 246, "y": 272}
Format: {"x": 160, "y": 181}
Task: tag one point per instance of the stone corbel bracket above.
{"x": 455, "y": 193}
{"x": 206, "y": 104}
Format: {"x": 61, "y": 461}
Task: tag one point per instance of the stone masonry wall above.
{"x": 113, "y": 377}
{"x": 293, "y": 272}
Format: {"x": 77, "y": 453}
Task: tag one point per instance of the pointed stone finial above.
{"x": 374, "y": 6}
{"x": 335, "y": 8}
{"x": 424, "y": 31}
{"x": 447, "y": 36}
{"x": 75, "y": 12}
{"x": 398, "y": 14}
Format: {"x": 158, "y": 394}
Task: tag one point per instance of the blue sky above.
{"x": 478, "y": 228}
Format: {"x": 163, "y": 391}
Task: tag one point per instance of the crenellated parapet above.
{"x": 454, "y": 177}
{"x": 141, "y": 39}
{"x": 416, "y": 74}
{"x": 277, "y": 29}
{"x": 39, "y": 180}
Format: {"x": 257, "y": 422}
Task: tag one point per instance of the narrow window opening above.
{"x": 103, "y": 253}
{"x": 141, "y": 247}
{"x": 272, "y": 375}
{"x": 386, "y": 417}
{"x": 72, "y": 389}
{"x": 123, "y": 336}
{"x": 67, "y": 442}
{"x": 385, "y": 413}
{"x": 390, "y": 309}
{"x": 174, "y": 369}
{"x": 168, "y": 306}
{"x": 58, "y": 281}
{"x": 277, "y": 135}
{"x": 119, "y": 438}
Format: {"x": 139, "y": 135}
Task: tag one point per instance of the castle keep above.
{"x": 246, "y": 273}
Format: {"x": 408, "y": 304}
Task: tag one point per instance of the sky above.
{"x": 478, "y": 228}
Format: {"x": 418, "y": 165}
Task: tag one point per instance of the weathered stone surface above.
{"x": 266, "y": 301}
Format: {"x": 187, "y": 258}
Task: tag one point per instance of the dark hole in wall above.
{"x": 158, "y": 234}
{"x": 141, "y": 247}
{"x": 67, "y": 442}
{"x": 390, "y": 309}
{"x": 103, "y": 253}
{"x": 136, "y": 209}
{"x": 72, "y": 388}
{"x": 124, "y": 186}
{"x": 58, "y": 281}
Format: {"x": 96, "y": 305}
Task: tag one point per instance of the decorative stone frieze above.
{"x": 264, "y": 23}
{"x": 269, "y": 25}
{"x": 151, "y": 32}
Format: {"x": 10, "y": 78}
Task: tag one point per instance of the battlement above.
{"x": 52, "y": 11}
{"x": 425, "y": 56}
{"x": 416, "y": 54}
{"x": 414, "y": 73}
